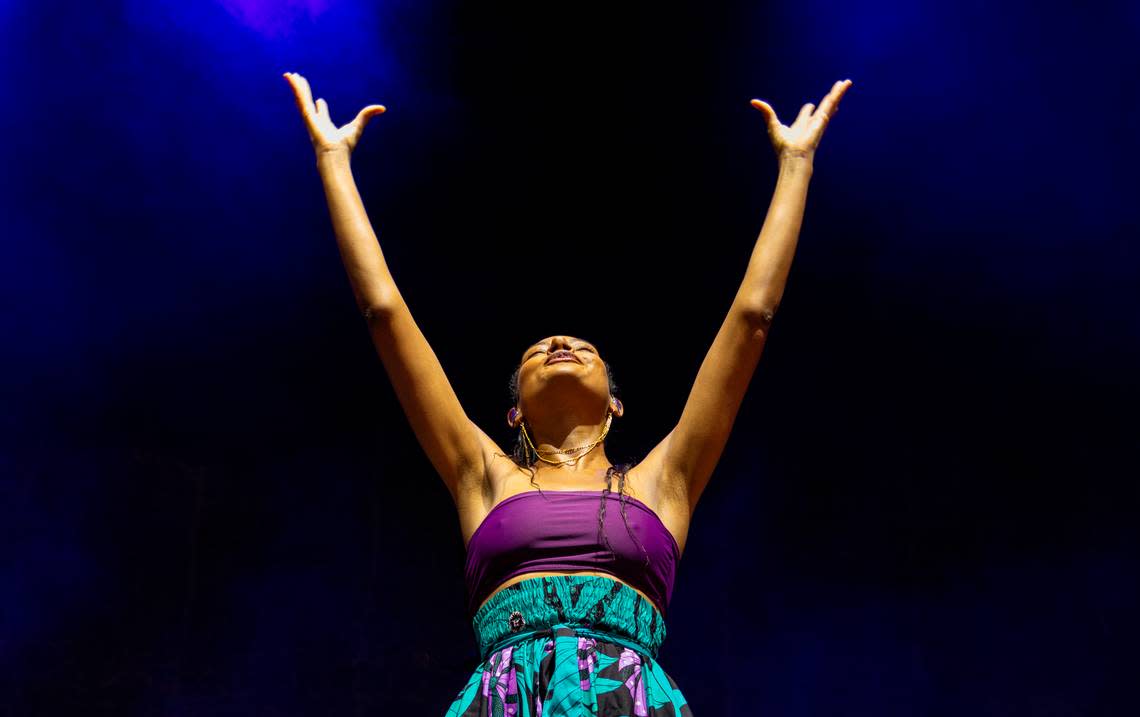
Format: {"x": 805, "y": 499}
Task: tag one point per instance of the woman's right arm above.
{"x": 457, "y": 448}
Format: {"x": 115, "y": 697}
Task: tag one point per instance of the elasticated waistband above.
{"x": 589, "y": 605}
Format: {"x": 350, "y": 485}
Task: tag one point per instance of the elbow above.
{"x": 760, "y": 315}
{"x": 370, "y": 312}
{"x": 379, "y": 307}
{"x": 376, "y": 312}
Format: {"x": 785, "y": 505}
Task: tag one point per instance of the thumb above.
{"x": 766, "y": 110}
{"x": 368, "y": 113}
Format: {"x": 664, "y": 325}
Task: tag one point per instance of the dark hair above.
{"x": 524, "y": 457}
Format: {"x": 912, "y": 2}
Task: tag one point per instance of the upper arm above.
{"x": 457, "y": 448}
{"x": 692, "y": 449}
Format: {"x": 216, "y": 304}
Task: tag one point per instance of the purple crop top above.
{"x": 557, "y": 530}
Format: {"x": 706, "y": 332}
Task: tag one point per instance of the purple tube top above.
{"x": 557, "y": 531}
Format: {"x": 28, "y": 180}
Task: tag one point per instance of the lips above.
{"x": 562, "y": 356}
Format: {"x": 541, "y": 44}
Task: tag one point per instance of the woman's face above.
{"x": 563, "y": 368}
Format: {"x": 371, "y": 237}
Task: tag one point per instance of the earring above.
{"x": 618, "y": 403}
{"x": 512, "y": 417}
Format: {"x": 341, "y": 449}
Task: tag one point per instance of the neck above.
{"x": 590, "y": 468}
{"x": 562, "y": 427}
{"x": 574, "y": 448}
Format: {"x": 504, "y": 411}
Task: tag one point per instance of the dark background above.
{"x": 211, "y": 502}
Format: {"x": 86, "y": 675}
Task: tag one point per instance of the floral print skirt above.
{"x": 565, "y": 646}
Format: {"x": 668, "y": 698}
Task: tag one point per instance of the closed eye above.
{"x": 539, "y": 351}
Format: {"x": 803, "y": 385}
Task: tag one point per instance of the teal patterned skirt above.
{"x": 568, "y": 646}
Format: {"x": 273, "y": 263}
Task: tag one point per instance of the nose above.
{"x": 559, "y": 342}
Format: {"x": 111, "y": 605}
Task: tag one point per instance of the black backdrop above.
{"x": 211, "y": 502}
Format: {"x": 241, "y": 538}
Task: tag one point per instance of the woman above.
{"x": 569, "y": 611}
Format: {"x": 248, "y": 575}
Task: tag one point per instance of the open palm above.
{"x": 326, "y": 136}
{"x": 802, "y": 137}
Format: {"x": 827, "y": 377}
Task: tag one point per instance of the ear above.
{"x": 616, "y": 406}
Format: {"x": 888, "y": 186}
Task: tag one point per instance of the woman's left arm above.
{"x": 685, "y": 459}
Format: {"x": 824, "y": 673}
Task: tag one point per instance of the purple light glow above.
{"x": 273, "y": 17}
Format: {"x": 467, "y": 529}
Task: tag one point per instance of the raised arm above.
{"x": 686, "y": 457}
{"x": 457, "y": 448}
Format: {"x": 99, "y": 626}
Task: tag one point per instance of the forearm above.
{"x": 372, "y": 283}
{"x": 763, "y": 284}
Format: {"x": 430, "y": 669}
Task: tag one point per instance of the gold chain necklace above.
{"x": 570, "y": 461}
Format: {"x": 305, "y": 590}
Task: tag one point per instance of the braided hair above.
{"x": 526, "y": 458}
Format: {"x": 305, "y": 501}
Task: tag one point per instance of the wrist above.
{"x": 796, "y": 166}
{"x": 797, "y": 157}
{"x": 333, "y": 154}
{"x": 333, "y": 157}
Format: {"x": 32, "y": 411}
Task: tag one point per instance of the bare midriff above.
{"x": 527, "y": 576}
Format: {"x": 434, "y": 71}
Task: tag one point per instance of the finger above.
{"x": 767, "y": 111}
{"x": 805, "y": 112}
{"x": 294, "y": 85}
{"x": 323, "y": 109}
{"x": 368, "y": 113}
{"x": 830, "y": 104}
{"x": 308, "y": 113}
{"x": 305, "y": 94}
{"x": 301, "y": 93}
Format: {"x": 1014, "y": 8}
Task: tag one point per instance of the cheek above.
{"x": 526, "y": 381}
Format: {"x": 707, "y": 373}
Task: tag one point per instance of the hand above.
{"x": 325, "y": 135}
{"x": 802, "y": 138}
